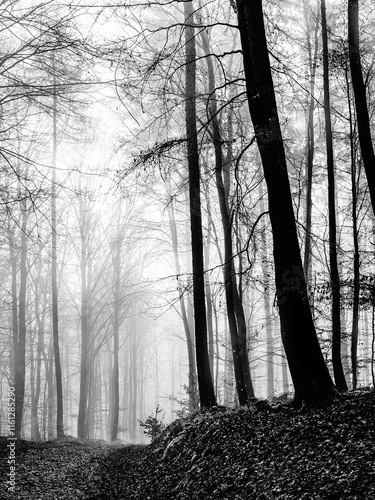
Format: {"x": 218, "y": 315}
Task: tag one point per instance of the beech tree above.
{"x": 192, "y": 374}
{"x": 309, "y": 372}
{"x": 19, "y": 313}
{"x": 367, "y": 152}
{"x": 117, "y": 245}
{"x": 92, "y": 320}
{"x": 359, "y": 89}
{"x": 312, "y": 51}
{"x": 235, "y": 312}
{"x": 55, "y": 313}
{"x": 170, "y": 114}
{"x": 205, "y": 383}
{"x": 334, "y": 270}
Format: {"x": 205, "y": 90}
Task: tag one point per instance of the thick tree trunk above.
{"x": 309, "y": 372}
{"x": 359, "y": 88}
{"x": 368, "y": 157}
{"x": 205, "y": 384}
{"x": 334, "y": 269}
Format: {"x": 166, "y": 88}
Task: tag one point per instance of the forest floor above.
{"x": 265, "y": 453}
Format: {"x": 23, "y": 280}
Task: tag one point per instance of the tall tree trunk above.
{"x": 359, "y": 88}
{"x": 115, "y": 379}
{"x": 19, "y": 331}
{"x": 334, "y": 269}
{"x": 101, "y": 405}
{"x": 309, "y": 372}
{"x": 373, "y": 323}
{"x": 235, "y": 318}
{"x": 135, "y": 373}
{"x": 40, "y": 318}
{"x": 310, "y": 146}
{"x": 192, "y": 374}
{"x": 242, "y": 334}
{"x": 34, "y": 407}
{"x": 85, "y": 329}
{"x": 368, "y": 157}
{"x": 366, "y": 351}
{"x": 115, "y": 375}
{"x": 92, "y": 398}
{"x": 218, "y": 341}
{"x": 55, "y": 314}
{"x": 13, "y": 267}
{"x": 205, "y": 384}
{"x": 115, "y": 408}
{"x": 267, "y": 302}
{"x": 356, "y": 256}
{"x": 229, "y": 382}
{"x": 68, "y": 400}
{"x": 50, "y": 393}
{"x": 207, "y": 253}
{"x": 128, "y": 388}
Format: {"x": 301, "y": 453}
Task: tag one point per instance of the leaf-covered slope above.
{"x": 273, "y": 453}
{"x": 280, "y": 453}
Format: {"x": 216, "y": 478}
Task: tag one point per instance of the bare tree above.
{"x": 236, "y": 317}
{"x": 309, "y": 372}
{"x": 205, "y": 384}
{"x": 359, "y": 88}
{"x": 334, "y": 270}
{"x": 55, "y": 313}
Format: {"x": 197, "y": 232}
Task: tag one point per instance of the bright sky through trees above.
{"x": 113, "y": 75}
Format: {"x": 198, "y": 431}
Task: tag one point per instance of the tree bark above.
{"x": 55, "y": 313}
{"x": 13, "y": 267}
{"x": 48, "y": 360}
{"x": 40, "y": 320}
{"x": 84, "y": 365}
{"x": 239, "y": 349}
{"x": 267, "y": 302}
{"x": 208, "y": 291}
{"x": 116, "y": 262}
{"x": 309, "y": 372}
{"x": 205, "y": 384}
{"x": 310, "y": 142}
{"x": 334, "y": 270}
{"x": 19, "y": 333}
{"x": 356, "y": 255}
{"x": 359, "y": 88}
{"x": 192, "y": 374}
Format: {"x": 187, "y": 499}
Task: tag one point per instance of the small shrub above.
{"x": 188, "y": 405}
{"x": 153, "y": 427}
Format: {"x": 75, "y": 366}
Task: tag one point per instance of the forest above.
{"x": 187, "y": 210}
